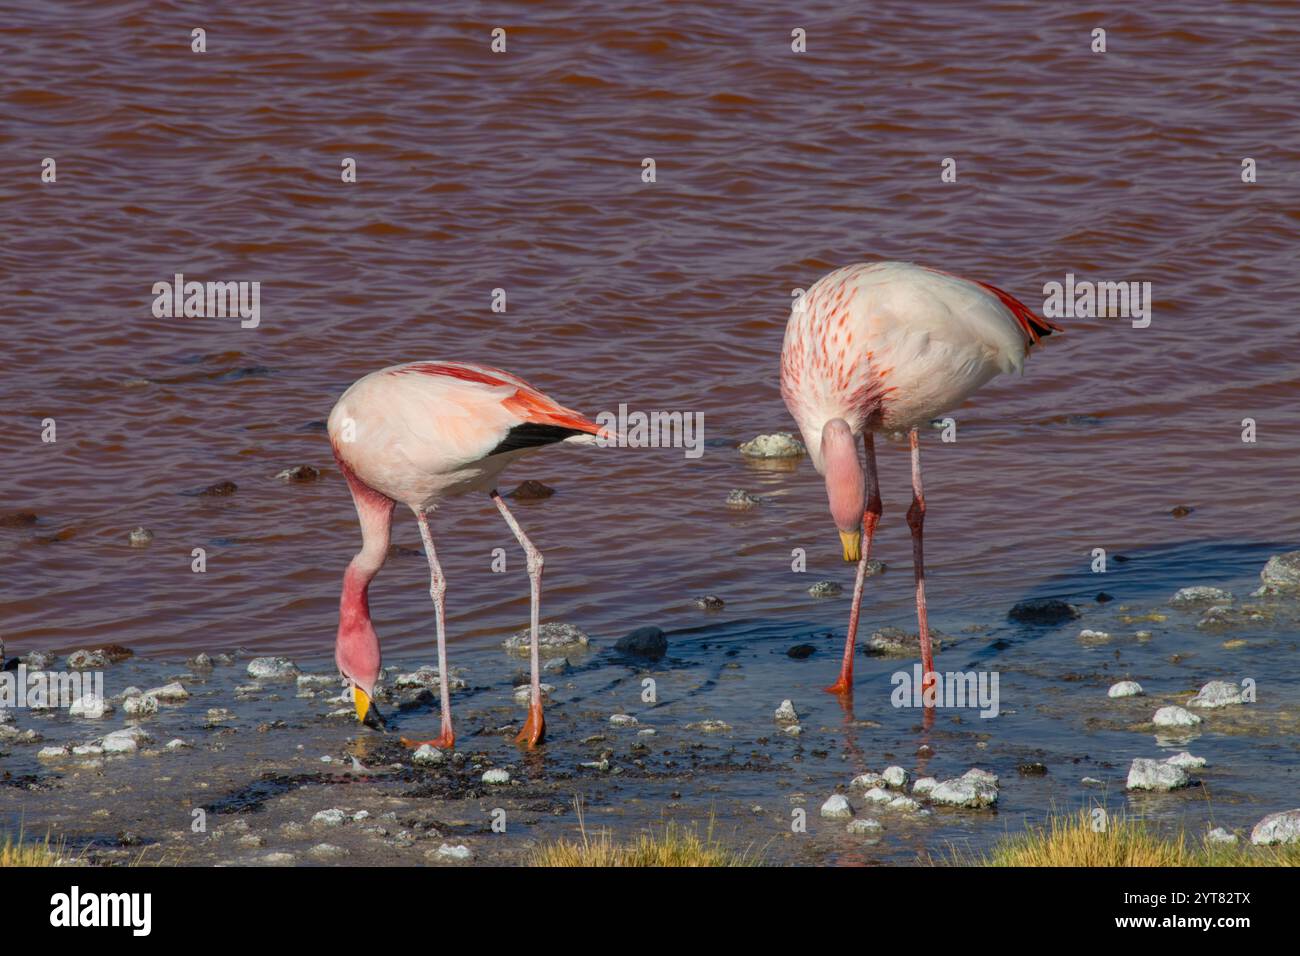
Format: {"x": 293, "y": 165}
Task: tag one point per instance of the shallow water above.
{"x": 522, "y": 171}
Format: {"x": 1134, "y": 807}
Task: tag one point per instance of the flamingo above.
{"x": 419, "y": 433}
{"x": 884, "y": 347}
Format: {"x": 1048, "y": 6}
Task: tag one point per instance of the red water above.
{"x": 522, "y": 171}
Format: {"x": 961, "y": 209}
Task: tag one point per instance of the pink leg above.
{"x": 437, "y": 590}
{"x": 916, "y": 521}
{"x": 870, "y": 518}
{"x": 535, "y": 727}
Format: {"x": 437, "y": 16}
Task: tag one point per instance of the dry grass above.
{"x": 16, "y": 852}
{"x": 1073, "y": 841}
{"x": 672, "y": 846}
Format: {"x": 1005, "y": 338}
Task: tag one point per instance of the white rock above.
{"x": 428, "y": 755}
{"x": 326, "y": 851}
{"x": 864, "y": 825}
{"x": 553, "y": 638}
{"x": 1146, "y": 774}
{"x": 1125, "y": 688}
{"x": 925, "y": 785}
{"x": 178, "y": 744}
{"x": 904, "y": 803}
{"x": 623, "y": 720}
{"x": 1186, "y": 761}
{"x": 1198, "y": 594}
{"x": 869, "y": 781}
{"x": 88, "y": 750}
{"x": 1089, "y": 636}
{"x": 973, "y": 789}
{"x": 836, "y": 807}
{"x": 1281, "y": 827}
{"x": 785, "y": 713}
{"x": 175, "y": 691}
{"x": 776, "y": 445}
{"x": 278, "y": 858}
{"x": 125, "y": 741}
{"x": 496, "y": 776}
{"x": 91, "y": 707}
{"x": 895, "y": 777}
{"x": 877, "y": 795}
{"x": 272, "y": 668}
{"x": 458, "y": 852}
{"x": 1220, "y": 835}
{"x": 792, "y": 730}
{"x": 317, "y": 682}
{"x": 1217, "y": 693}
{"x": 1175, "y": 717}
{"x": 52, "y": 753}
{"x": 524, "y": 692}
{"x": 140, "y": 706}
{"x": 330, "y": 818}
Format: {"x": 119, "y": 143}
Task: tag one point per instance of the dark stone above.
{"x": 1181, "y": 511}
{"x": 1032, "y": 769}
{"x": 532, "y": 491}
{"x": 644, "y": 642}
{"x": 17, "y": 519}
{"x": 219, "y": 490}
{"x": 299, "y": 473}
{"x": 1104, "y": 598}
{"x": 1045, "y": 611}
{"x": 800, "y": 651}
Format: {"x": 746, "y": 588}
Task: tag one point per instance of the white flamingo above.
{"x": 888, "y": 346}
{"x": 416, "y": 434}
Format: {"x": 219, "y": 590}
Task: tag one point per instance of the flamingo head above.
{"x": 844, "y": 484}
{"x": 356, "y": 651}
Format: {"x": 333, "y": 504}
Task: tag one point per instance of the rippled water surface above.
{"x": 522, "y": 171}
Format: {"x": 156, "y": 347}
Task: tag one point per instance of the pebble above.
{"x": 524, "y": 692}
{"x": 1186, "y": 761}
{"x": 775, "y": 445}
{"x": 864, "y": 825}
{"x": 449, "y": 852}
{"x": 646, "y": 732}
{"x": 709, "y": 602}
{"x": 1220, "y": 835}
{"x": 649, "y": 642}
{"x": 1281, "y": 827}
{"x": 868, "y": 781}
{"x": 428, "y": 755}
{"x": 124, "y": 741}
{"x": 178, "y": 744}
{"x": 1043, "y": 611}
{"x": 1199, "y": 594}
{"x": 278, "y": 858}
{"x": 1175, "y": 717}
{"x": 140, "y": 537}
{"x": 895, "y": 777}
{"x": 836, "y": 807}
{"x": 88, "y": 750}
{"x": 1125, "y": 688}
{"x": 272, "y": 668}
{"x": 741, "y": 500}
{"x": 896, "y": 642}
{"x": 330, "y": 818}
{"x": 1217, "y": 693}
{"x": 792, "y": 730}
{"x": 553, "y": 638}
{"x": 52, "y": 753}
{"x": 91, "y": 707}
{"x": 1089, "y": 636}
{"x": 87, "y": 660}
{"x": 299, "y": 473}
{"x": 785, "y": 714}
{"x": 623, "y": 720}
{"x": 1092, "y": 782}
{"x": 496, "y": 777}
{"x": 877, "y": 795}
{"x": 530, "y": 490}
{"x": 1145, "y": 774}
{"x": 317, "y": 681}
{"x": 904, "y": 803}
{"x": 326, "y": 851}
{"x": 140, "y": 705}
{"x": 425, "y": 677}
{"x": 556, "y": 665}
{"x": 825, "y": 589}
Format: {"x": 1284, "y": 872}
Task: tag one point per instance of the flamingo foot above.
{"x": 446, "y": 741}
{"x": 534, "y": 728}
{"x": 843, "y": 687}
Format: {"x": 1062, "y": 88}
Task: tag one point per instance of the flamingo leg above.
{"x": 437, "y": 590}
{"x": 916, "y": 521}
{"x": 870, "y": 518}
{"x": 535, "y": 727}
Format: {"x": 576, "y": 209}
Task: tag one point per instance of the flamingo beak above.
{"x": 367, "y": 712}
{"x": 852, "y": 543}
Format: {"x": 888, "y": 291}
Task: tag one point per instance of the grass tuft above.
{"x": 16, "y": 852}
{"x": 673, "y": 846}
{"x": 1074, "y": 841}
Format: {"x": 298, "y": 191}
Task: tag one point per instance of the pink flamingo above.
{"x": 418, "y": 433}
{"x": 884, "y": 347}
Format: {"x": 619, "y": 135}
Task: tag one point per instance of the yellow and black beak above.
{"x": 367, "y": 712}
{"x": 852, "y": 542}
